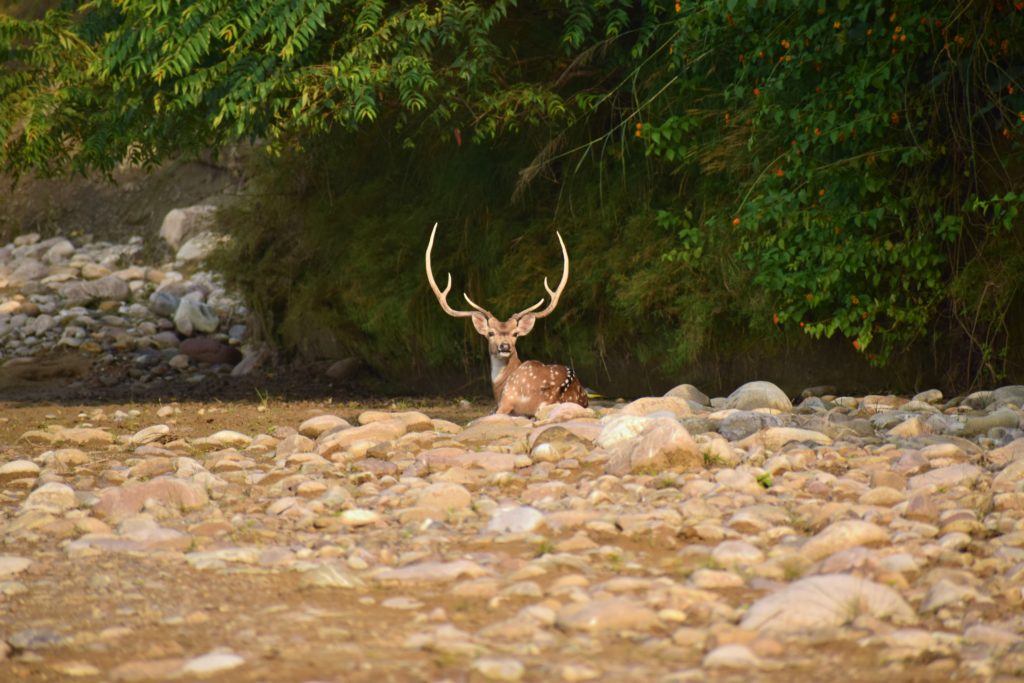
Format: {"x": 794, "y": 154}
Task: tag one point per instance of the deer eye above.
{"x": 515, "y": 334}
{"x": 490, "y": 333}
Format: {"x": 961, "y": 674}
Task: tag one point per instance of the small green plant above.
{"x": 545, "y": 547}
{"x": 765, "y": 480}
{"x": 712, "y": 459}
{"x": 264, "y": 397}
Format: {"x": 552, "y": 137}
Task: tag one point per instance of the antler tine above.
{"x": 555, "y": 295}
{"x": 442, "y": 296}
{"x": 477, "y": 306}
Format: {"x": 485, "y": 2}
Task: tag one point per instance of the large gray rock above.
{"x": 759, "y": 394}
{"x": 181, "y": 224}
{"x": 108, "y": 288}
{"x": 198, "y": 247}
{"x": 195, "y": 316}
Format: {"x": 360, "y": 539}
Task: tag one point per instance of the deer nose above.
{"x": 504, "y": 347}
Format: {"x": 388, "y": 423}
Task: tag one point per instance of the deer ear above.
{"x": 480, "y": 323}
{"x": 525, "y": 324}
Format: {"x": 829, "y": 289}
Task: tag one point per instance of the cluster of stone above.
{"x": 739, "y": 535}
{"x": 94, "y": 297}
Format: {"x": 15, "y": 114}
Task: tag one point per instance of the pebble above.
{"x": 13, "y": 564}
{"x": 212, "y": 663}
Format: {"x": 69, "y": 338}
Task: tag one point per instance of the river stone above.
{"x": 330, "y": 576}
{"x": 759, "y": 394}
{"x": 620, "y": 429}
{"x": 825, "y": 601}
{"x": 59, "y": 251}
{"x": 689, "y": 393}
{"x": 841, "y": 535}
{"x": 431, "y": 572}
{"x": 654, "y": 404}
{"x": 18, "y": 469}
{"x": 163, "y": 303}
{"x": 607, "y": 615}
{"x": 739, "y": 424}
{"x": 197, "y": 247}
{"x": 12, "y": 564}
{"x": 663, "y": 443}
{"x": 446, "y": 457}
{"x": 945, "y": 477}
{"x": 516, "y": 520}
{"x": 499, "y": 669}
{"x": 53, "y": 496}
{"x": 344, "y": 369}
{"x": 120, "y": 502}
{"x": 212, "y": 663}
{"x": 1012, "y": 394}
{"x": 1009, "y": 477}
{"x": 27, "y": 271}
{"x": 195, "y": 316}
{"x": 149, "y": 434}
{"x": 1003, "y": 417}
{"x": 210, "y": 350}
{"x": 774, "y": 438}
{"x": 180, "y": 224}
{"x": 731, "y": 554}
{"x": 315, "y": 426}
{"x": 1006, "y": 454}
{"x": 147, "y": 670}
{"x": 85, "y": 436}
{"x": 732, "y": 656}
{"x": 444, "y": 496}
{"x": 360, "y": 438}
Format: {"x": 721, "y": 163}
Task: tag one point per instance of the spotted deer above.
{"x": 520, "y": 388}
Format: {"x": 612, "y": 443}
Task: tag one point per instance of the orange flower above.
{"x": 856, "y": 344}
{"x": 775, "y": 318}
{"x": 785, "y": 44}
{"x": 757, "y": 92}
{"x": 779, "y": 173}
{"x": 736, "y": 221}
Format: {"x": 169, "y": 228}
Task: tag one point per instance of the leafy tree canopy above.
{"x": 860, "y": 158}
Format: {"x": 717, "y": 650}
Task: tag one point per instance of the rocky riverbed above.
{"x": 671, "y": 538}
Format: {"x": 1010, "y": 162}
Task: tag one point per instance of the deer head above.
{"x": 501, "y": 335}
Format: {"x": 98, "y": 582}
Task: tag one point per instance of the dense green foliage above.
{"x": 848, "y": 168}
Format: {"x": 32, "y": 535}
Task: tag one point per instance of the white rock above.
{"x": 212, "y": 663}
{"x": 180, "y": 224}
{"x": 515, "y": 520}
{"x": 12, "y": 564}
{"x": 51, "y": 496}
{"x": 198, "y": 247}
{"x": 825, "y": 601}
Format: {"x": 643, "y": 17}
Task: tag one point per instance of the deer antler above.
{"x": 555, "y": 295}
{"x": 442, "y": 296}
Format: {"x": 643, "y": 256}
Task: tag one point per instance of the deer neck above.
{"x": 501, "y": 370}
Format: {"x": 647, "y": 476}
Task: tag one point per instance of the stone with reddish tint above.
{"x": 607, "y": 615}
{"x": 117, "y": 503}
{"x": 210, "y": 350}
